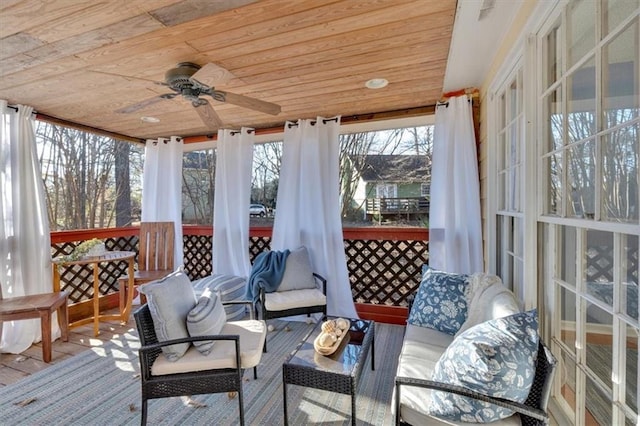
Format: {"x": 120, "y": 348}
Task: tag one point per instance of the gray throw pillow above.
{"x": 298, "y": 274}
{"x": 170, "y": 300}
{"x": 206, "y": 319}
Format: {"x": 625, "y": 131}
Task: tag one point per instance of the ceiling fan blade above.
{"x": 208, "y": 115}
{"x": 251, "y": 103}
{"x": 212, "y": 75}
{"x": 145, "y": 103}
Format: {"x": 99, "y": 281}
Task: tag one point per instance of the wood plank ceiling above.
{"x": 81, "y": 60}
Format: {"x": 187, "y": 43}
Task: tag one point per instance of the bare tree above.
{"x": 354, "y": 148}
{"x": 198, "y": 186}
{"x": 78, "y": 174}
{"x": 267, "y": 159}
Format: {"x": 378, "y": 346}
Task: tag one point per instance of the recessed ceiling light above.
{"x": 150, "y": 119}
{"x": 376, "y": 83}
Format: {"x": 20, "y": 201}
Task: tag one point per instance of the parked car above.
{"x": 257, "y": 210}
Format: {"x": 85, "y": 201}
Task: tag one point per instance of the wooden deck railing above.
{"x": 408, "y": 207}
{"x": 384, "y": 264}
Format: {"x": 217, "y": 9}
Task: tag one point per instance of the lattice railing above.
{"x": 383, "y": 271}
{"x": 384, "y": 265}
{"x": 78, "y": 279}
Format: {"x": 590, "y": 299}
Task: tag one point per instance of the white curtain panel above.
{"x": 162, "y": 186}
{"x": 308, "y": 209}
{"x": 455, "y": 233}
{"x": 234, "y": 159}
{"x": 25, "y": 242}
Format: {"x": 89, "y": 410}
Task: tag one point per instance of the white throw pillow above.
{"x": 170, "y": 300}
{"x": 206, "y": 319}
{"x": 298, "y": 274}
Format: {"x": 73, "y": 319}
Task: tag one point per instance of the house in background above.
{"x": 393, "y": 186}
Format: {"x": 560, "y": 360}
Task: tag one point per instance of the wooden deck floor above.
{"x": 16, "y": 367}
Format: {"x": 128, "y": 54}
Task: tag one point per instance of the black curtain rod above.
{"x": 446, "y": 104}
{"x": 235, "y": 132}
{"x": 324, "y": 121}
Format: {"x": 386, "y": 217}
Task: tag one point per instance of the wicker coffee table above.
{"x": 339, "y": 372}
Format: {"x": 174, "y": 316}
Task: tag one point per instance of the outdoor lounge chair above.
{"x": 301, "y": 290}
{"x": 225, "y": 364}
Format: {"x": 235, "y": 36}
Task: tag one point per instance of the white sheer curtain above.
{"x": 234, "y": 158}
{"x": 308, "y": 209}
{"x": 455, "y": 233}
{"x": 162, "y": 186}
{"x": 25, "y": 242}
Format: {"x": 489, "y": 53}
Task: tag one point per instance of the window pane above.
{"x": 581, "y": 29}
{"x": 581, "y": 179}
{"x": 502, "y": 148}
{"x": 568, "y": 383}
{"x": 599, "y": 259}
{"x": 630, "y": 294}
{"x": 553, "y": 55}
{"x": 554, "y": 120}
{"x": 568, "y": 319}
{"x": 598, "y": 403}
{"x": 513, "y": 100}
{"x": 581, "y": 99}
{"x": 599, "y": 339}
{"x": 631, "y": 397}
{"x": 620, "y": 78}
{"x": 502, "y": 179}
{"x": 552, "y": 168}
{"x": 502, "y": 107}
{"x": 567, "y": 255}
{"x": 620, "y": 151}
{"x": 518, "y": 235}
{"x": 616, "y": 11}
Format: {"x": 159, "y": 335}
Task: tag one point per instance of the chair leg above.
{"x": 241, "y": 405}
{"x": 143, "y": 419}
{"x": 264, "y": 347}
{"x": 255, "y": 373}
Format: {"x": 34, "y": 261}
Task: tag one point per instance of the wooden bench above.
{"x": 39, "y": 306}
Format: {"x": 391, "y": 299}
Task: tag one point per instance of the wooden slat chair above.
{"x": 155, "y": 255}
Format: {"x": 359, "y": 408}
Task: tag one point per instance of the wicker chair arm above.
{"x": 445, "y": 387}
{"x": 323, "y": 282}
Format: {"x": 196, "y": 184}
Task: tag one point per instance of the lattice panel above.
{"x": 384, "y": 272}
{"x": 380, "y": 272}
{"x": 78, "y": 279}
{"x": 257, "y": 245}
{"x": 198, "y": 253}
{"x": 197, "y": 256}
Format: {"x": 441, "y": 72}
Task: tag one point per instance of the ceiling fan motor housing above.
{"x": 179, "y": 78}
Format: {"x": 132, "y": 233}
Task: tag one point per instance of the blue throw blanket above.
{"x": 267, "y": 272}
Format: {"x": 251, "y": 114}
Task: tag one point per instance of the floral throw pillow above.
{"x": 440, "y": 303}
{"x": 495, "y": 358}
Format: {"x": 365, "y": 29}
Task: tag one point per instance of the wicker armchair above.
{"x": 532, "y": 412}
{"x": 196, "y": 382}
{"x": 267, "y": 302}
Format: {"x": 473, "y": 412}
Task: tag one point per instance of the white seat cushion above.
{"x": 252, "y": 335}
{"x": 421, "y": 349}
{"x": 283, "y": 300}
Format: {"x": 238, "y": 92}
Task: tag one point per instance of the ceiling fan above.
{"x": 191, "y": 81}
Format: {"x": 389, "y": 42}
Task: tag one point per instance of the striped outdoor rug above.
{"x": 101, "y": 387}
